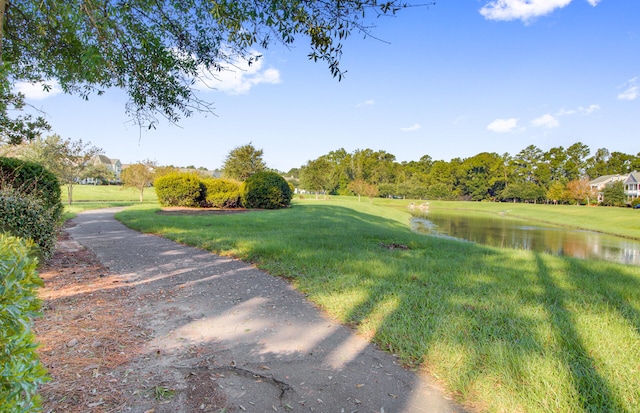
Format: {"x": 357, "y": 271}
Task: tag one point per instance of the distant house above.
{"x": 598, "y": 184}
{"x": 631, "y": 184}
{"x": 114, "y": 165}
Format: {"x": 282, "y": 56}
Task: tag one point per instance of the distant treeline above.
{"x": 533, "y": 175}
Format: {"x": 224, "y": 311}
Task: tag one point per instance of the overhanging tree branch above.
{"x": 154, "y": 49}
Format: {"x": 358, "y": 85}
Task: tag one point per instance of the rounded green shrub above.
{"x": 179, "y": 189}
{"x": 26, "y": 217}
{"x": 266, "y": 190}
{"x": 32, "y": 179}
{"x": 22, "y": 371}
{"x": 222, "y": 193}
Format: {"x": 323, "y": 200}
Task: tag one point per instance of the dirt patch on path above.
{"x": 93, "y": 344}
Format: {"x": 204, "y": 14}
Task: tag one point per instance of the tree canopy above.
{"x": 140, "y": 175}
{"x": 613, "y": 194}
{"x": 242, "y": 162}
{"x": 155, "y": 49}
{"x": 66, "y": 158}
{"x": 558, "y": 175}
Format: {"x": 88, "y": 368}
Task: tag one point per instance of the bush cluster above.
{"x": 30, "y": 205}
{"x": 180, "y": 189}
{"x": 222, "y": 193}
{"x": 32, "y": 179}
{"x": 24, "y": 216}
{"x": 262, "y": 190}
{"x": 266, "y": 190}
{"x": 22, "y": 371}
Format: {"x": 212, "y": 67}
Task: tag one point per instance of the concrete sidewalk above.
{"x": 270, "y": 349}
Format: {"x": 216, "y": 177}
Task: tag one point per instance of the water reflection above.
{"x": 506, "y": 232}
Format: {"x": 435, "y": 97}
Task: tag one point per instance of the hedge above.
{"x": 32, "y": 179}
{"x": 26, "y": 217}
{"x": 179, "y": 189}
{"x": 266, "y": 190}
{"x": 222, "y": 193}
{"x": 21, "y": 371}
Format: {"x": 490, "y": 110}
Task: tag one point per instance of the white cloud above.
{"x": 368, "y": 102}
{"x": 566, "y": 112}
{"x": 411, "y": 128}
{"x": 589, "y": 109}
{"x": 35, "y": 91}
{"x": 551, "y": 120}
{"x": 545, "y": 121}
{"x": 238, "y": 78}
{"x": 524, "y": 10}
{"x": 632, "y": 90}
{"x": 503, "y": 125}
{"x": 582, "y": 110}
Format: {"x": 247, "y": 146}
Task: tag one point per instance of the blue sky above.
{"x": 449, "y": 80}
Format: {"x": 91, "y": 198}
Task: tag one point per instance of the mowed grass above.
{"x": 503, "y": 330}
{"x": 103, "y": 196}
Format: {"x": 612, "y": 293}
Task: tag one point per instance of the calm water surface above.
{"x": 506, "y": 232}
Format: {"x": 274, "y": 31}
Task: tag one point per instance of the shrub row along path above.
{"x": 225, "y": 336}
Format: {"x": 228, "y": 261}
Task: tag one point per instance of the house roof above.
{"x": 608, "y": 178}
{"x": 101, "y": 159}
{"x": 634, "y": 177}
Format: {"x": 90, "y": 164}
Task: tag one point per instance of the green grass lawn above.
{"x": 102, "y": 196}
{"x": 95, "y": 193}
{"x": 503, "y": 330}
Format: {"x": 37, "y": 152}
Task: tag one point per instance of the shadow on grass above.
{"x": 613, "y": 286}
{"x": 593, "y": 390}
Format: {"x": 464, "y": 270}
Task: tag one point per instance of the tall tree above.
{"x": 442, "y": 172}
{"x": 576, "y": 162}
{"x": 66, "y": 158}
{"x": 526, "y": 163}
{"x": 620, "y": 163}
{"x": 242, "y": 162}
{"x": 384, "y": 169}
{"x": 555, "y": 159}
{"x": 362, "y": 164}
{"x": 597, "y": 164}
{"x": 154, "y": 49}
{"x": 340, "y": 174}
{"x": 475, "y": 179}
{"x": 502, "y": 172}
{"x": 316, "y": 175}
{"x": 417, "y": 170}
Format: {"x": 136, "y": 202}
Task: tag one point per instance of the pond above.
{"x": 509, "y": 232}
